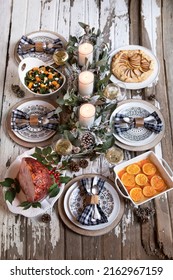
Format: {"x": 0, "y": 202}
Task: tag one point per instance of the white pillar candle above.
{"x": 85, "y": 50}
{"x": 86, "y": 83}
{"x": 87, "y": 115}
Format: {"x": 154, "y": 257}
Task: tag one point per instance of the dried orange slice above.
{"x": 121, "y": 172}
{"x": 129, "y": 188}
{"x": 149, "y": 169}
{"x": 136, "y": 194}
{"x": 142, "y": 162}
{"x": 141, "y": 179}
{"x": 128, "y": 180}
{"x": 149, "y": 191}
{"x": 157, "y": 183}
{"x": 133, "y": 169}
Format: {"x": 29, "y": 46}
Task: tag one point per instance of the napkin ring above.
{"x": 40, "y": 46}
{"x": 92, "y": 199}
{"x": 33, "y": 121}
{"x": 139, "y": 122}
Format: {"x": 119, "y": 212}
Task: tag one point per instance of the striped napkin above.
{"x": 21, "y": 120}
{"x": 151, "y": 122}
{"x": 26, "y": 40}
{"x": 86, "y": 217}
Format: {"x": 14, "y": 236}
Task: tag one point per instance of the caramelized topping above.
{"x": 132, "y": 65}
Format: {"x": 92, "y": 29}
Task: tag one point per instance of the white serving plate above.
{"x": 111, "y": 217}
{"x": 139, "y": 85}
{"x": 166, "y": 173}
{"x": 35, "y": 135}
{"x": 46, "y": 204}
{"x": 150, "y": 141}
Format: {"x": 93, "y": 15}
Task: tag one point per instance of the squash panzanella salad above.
{"x": 43, "y": 79}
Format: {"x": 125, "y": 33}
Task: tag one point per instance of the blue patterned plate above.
{"x": 74, "y": 202}
{"x": 136, "y": 136}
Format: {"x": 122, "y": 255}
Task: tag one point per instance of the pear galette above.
{"x": 132, "y": 66}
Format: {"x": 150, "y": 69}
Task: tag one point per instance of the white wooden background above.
{"x": 123, "y": 22}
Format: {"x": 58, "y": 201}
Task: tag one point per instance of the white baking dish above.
{"x": 165, "y": 171}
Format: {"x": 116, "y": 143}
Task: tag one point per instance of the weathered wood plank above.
{"x": 153, "y": 40}
{"x": 48, "y": 16}
{"x": 63, "y": 19}
{"x": 134, "y": 14}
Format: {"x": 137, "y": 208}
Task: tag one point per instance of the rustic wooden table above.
{"x": 123, "y": 22}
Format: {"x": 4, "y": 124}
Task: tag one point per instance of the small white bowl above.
{"x": 27, "y": 64}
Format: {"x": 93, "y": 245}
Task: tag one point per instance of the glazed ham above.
{"x": 34, "y": 179}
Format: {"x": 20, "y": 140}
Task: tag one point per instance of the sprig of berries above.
{"x": 55, "y": 174}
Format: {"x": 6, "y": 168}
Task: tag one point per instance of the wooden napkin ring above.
{"x": 33, "y": 121}
{"x": 139, "y": 122}
{"x": 92, "y": 199}
{"x": 39, "y": 47}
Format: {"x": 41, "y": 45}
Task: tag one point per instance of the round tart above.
{"x": 132, "y": 66}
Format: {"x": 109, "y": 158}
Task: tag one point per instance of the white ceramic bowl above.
{"x": 27, "y": 64}
{"x": 165, "y": 171}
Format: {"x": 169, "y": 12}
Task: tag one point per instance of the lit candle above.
{"x": 86, "y": 83}
{"x": 85, "y": 51}
{"x": 87, "y": 115}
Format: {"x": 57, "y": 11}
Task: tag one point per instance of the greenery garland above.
{"x": 70, "y": 101}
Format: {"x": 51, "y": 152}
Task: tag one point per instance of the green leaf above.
{"x": 27, "y": 206}
{"x": 73, "y": 39}
{"x": 38, "y": 150}
{"x": 60, "y": 101}
{"x": 107, "y": 144}
{"x": 64, "y": 179}
{"x": 36, "y": 204}
{"x": 10, "y": 195}
{"x": 44, "y": 161}
{"x": 38, "y": 157}
{"x": 52, "y": 187}
{"x": 7, "y": 182}
{"x": 49, "y": 167}
{"x": 47, "y": 150}
{"x": 83, "y": 25}
{"x": 71, "y": 138}
{"x": 56, "y": 161}
{"x": 24, "y": 203}
{"x": 54, "y": 192}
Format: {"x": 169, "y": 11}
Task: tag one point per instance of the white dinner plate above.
{"x": 109, "y": 202}
{"x": 152, "y": 140}
{"x": 40, "y": 36}
{"x": 35, "y": 134}
{"x": 134, "y": 136}
{"x": 139, "y": 85}
{"x": 46, "y": 204}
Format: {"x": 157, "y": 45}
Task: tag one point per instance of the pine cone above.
{"x": 83, "y": 163}
{"x": 87, "y": 140}
{"x": 18, "y": 91}
{"x": 73, "y": 166}
{"x": 46, "y": 218}
{"x": 144, "y": 214}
